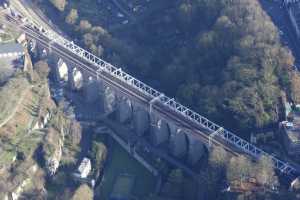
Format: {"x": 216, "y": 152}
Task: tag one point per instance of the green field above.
{"x": 120, "y": 162}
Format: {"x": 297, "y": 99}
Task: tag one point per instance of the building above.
{"x": 84, "y": 168}
{"x": 11, "y": 50}
{"x": 291, "y": 133}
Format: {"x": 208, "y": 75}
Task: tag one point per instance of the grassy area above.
{"x": 10, "y": 94}
{"x": 120, "y": 162}
{"x": 26, "y": 112}
{"x": 7, "y": 157}
{"x": 15, "y": 135}
{"x": 5, "y": 37}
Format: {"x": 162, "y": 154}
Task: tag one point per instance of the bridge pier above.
{"x": 125, "y": 110}
{"x": 178, "y": 143}
{"x": 109, "y": 100}
{"x": 196, "y": 149}
{"x": 91, "y": 89}
{"x": 141, "y": 120}
{"x": 160, "y": 130}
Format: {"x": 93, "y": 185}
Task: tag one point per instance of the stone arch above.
{"x": 77, "y": 79}
{"x": 178, "y": 143}
{"x": 160, "y": 132}
{"x": 62, "y": 73}
{"x": 109, "y": 100}
{"x": 125, "y": 110}
{"x": 141, "y": 121}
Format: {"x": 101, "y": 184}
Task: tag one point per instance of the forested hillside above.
{"x": 228, "y": 64}
{"x": 223, "y": 58}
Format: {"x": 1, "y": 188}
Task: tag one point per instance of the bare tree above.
{"x": 72, "y": 16}
{"x": 239, "y": 168}
{"x": 84, "y": 25}
{"x": 265, "y": 172}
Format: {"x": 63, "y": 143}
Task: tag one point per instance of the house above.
{"x": 84, "y": 168}
{"x": 11, "y": 50}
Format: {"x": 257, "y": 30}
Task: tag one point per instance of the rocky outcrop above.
{"x": 52, "y": 163}
{"x": 42, "y": 121}
{"x": 53, "y": 150}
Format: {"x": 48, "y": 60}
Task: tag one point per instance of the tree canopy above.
{"x": 233, "y": 62}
